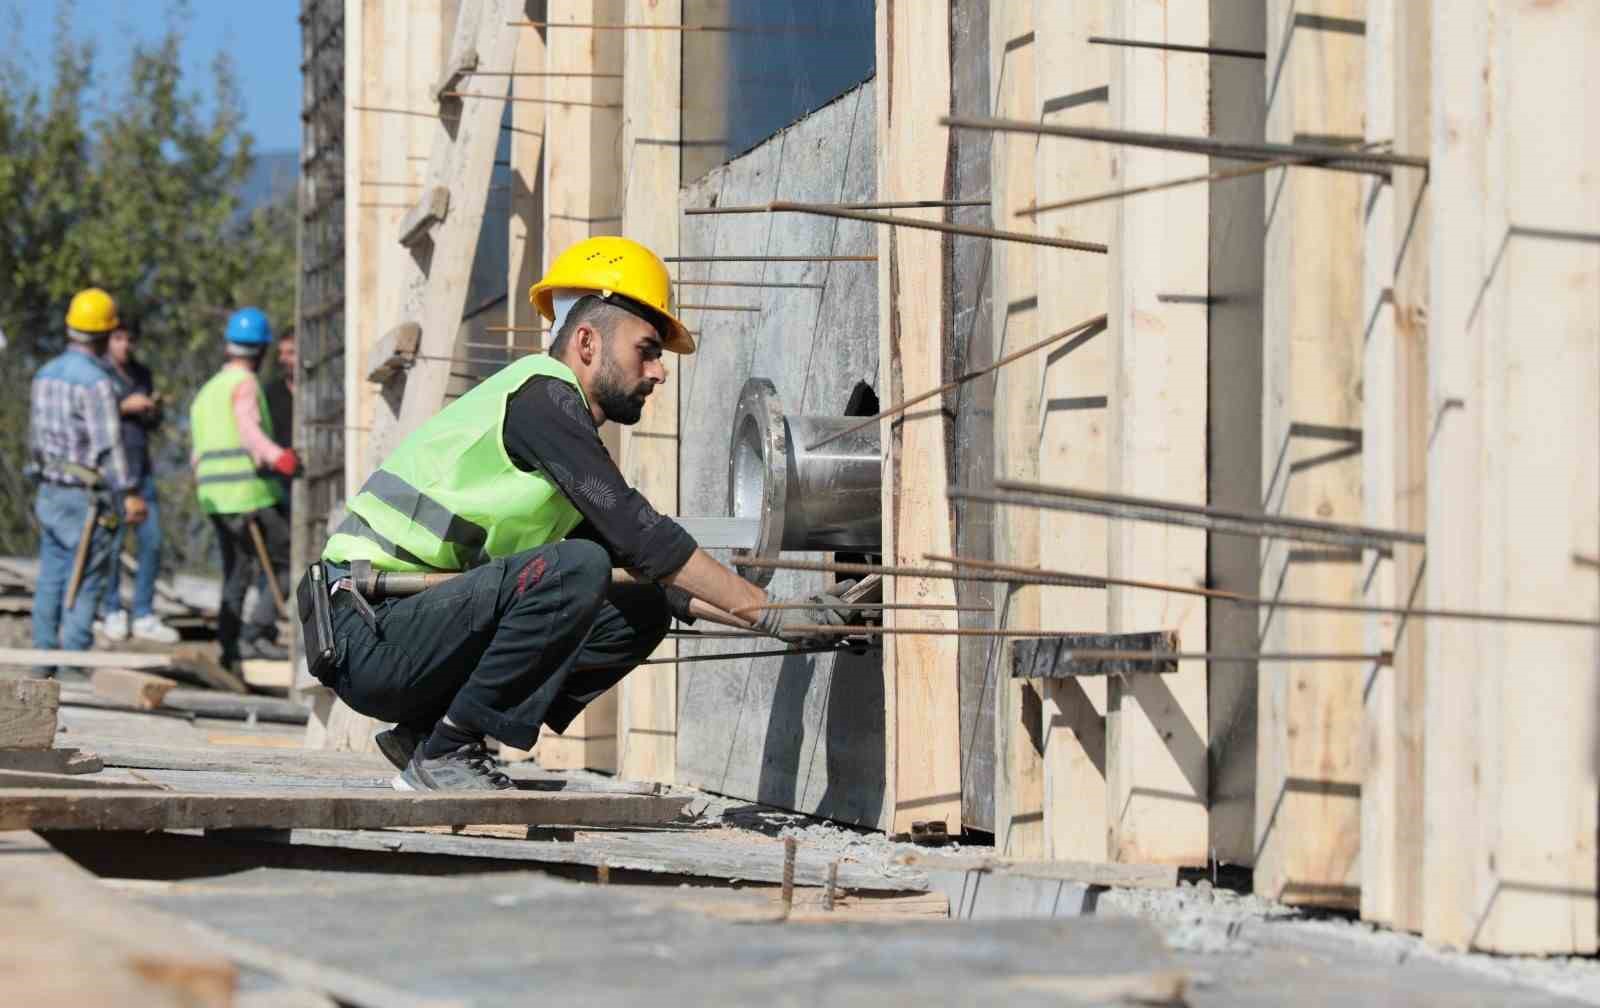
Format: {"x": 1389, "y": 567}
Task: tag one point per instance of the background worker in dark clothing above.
{"x": 234, "y": 449}
{"x": 500, "y": 484}
{"x": 141, "y": 415}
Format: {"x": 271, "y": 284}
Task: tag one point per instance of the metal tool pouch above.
{"x": 316, "y": 623}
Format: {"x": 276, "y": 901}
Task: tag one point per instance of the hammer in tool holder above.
{"x": 98, "y": 513}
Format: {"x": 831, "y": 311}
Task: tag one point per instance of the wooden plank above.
{"x": 1071, "y": 401}
{"x": 65, "y": 939}
{"x": 395, "y": 352}
{"x": 418, "y": 225}
{"x": 33, "y": 779}
{"x": 525, "y": 235}
{"x": 1394, "y": 395}
{"x": 583, "y": 197}
{"x": 135, "y": 689}
{"x": 57, "y": 761}
{"x": 1019, "y": 735}
{"x": 28, "y": 713}
{"x": 922, "y": 766}
{"x": 1102, "y": 873}
{"x": 1308, "y": 769}
{"x": 1051, "y": 657}
{"x": 47, "y": 809}
{"x": 235, "y": 707}
{"x": 1513, "y": 480}
{"x": 652, "y": 99}
{"x": 25, "y": 657}
{"x": 1156, "y": 726}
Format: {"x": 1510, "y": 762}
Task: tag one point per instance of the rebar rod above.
{"x": 1111, "y": 194}
{"x": 905, "y": 404}
{"x": 745, "y": 283}
{"x": 990, "y": 568}
{"x": 529, "y": 101}
{"x": 1096, "y": 654}
{"x": 969, "y": 230}
{"x": 538, "y": 73}
{"x": 1048, "y": 578}
{"x": 1208, "y": 50}
{"x": 1339, "y": 159}
{"x": 769, "y": 259}
{"x": 1242, "y": 523}
{"x": 868, "y": 606}
{"x": 752, "y": 208}
{"x": 731, "y": 656}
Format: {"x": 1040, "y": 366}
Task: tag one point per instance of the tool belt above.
{"x": 314, "y": 601}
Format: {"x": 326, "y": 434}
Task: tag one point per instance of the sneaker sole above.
{"x": 399, "y": 783}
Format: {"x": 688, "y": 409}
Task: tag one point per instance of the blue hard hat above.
{"x": 249, "y": 327}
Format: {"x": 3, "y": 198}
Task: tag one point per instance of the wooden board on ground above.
{"x": 46, "y": 809}
{"x": 237, "y": 707}
{"x": 26, "y": 657}
{"x": 267, "y": 674}
{"x": 65, "y": 760}
{"x": 1134, "y": 876}
{"x": 28, "y": 713}
{"x": 35, "y": 779}
{"x": 66, "y": 939}
{"x": 134, "y": 689}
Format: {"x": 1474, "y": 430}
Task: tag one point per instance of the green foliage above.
{"x": 130, "y": 185}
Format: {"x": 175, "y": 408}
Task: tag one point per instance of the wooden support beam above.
{"x": 56, "y": 761}
{"x": 427, "y": 213}
{"x": 1308, "y": 802}
{"x": 291, "y": 808}
{"x": 1156, "y": 726}
{"x": 1069, "y": 392}
{"x": 460, "y": 68}
{"x": 583, "y": 197}
{"x": 652, "y": 100}
{"x": 396, "y": 352}
{"x": 1018, "y": 714}
{"x": 28, "y": 713}
{"x": 1513, "y": 478}
{"x": 1394, "y": 468}
{"x": 922, "y": 765}
{"x": 135, "y": 689}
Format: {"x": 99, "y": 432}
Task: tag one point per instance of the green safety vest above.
{"x": 450, "y": 498}
{"x": 226, "y": 480}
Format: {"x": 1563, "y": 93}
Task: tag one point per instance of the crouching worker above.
{"x": 511, "y": 485}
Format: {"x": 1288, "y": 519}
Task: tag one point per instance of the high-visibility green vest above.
{"x": 225, "y": 475}
{"x": 450, "y": 498}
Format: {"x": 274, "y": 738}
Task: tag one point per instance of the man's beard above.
{"x": 620, "y": 403}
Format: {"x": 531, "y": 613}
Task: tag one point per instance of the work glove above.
{"x": 287, "y": 464}
{"x": 819, "y": 610}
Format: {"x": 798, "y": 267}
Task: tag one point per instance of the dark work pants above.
{"x": 239, "y": 569}
{"x": 502, "y": 649}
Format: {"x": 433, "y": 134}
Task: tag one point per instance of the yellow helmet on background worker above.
{"x": 92, "y": 312}
{"x": 609, "y": 265}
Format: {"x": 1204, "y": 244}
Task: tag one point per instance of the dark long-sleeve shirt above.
{"x": 548, "y": 429}
{"x": 135, "y": 378}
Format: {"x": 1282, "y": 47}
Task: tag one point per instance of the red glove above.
{"x": 288, "y": 464}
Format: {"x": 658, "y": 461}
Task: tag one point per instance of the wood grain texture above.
{"x": 1308, "y": 756}
{"x": 920, "y": 682}
{"x": 65, "y": 939}
{"x": 1019, "y": 814}
{"x": 1394, "y": 471}
{"x": 48, "y": 809}
{"x": 56, "y": 761}
{"x": 135, "y": 689}
{"x": 28, "y": 713}
{"x": 1156, "y": 726}
{"x": 1072, "y": 391}
{"x": 652, "y": 100}
{"x": 1513, "y": 478}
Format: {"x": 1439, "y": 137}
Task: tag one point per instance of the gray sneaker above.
{"x": 469, "y": 768}
{"x": 398, "y": 744}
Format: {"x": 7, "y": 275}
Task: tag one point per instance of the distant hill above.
{"x": 275, "y": 175}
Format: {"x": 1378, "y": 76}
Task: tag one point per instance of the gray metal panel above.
{"x": 722, "y": 533}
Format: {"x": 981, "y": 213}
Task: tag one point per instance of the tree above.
{"x": 141, "y": 199}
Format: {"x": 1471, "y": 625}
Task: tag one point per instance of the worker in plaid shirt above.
{"x": 75, "y": 439}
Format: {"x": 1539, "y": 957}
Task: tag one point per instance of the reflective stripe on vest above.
{"x": 226, "y": 480}
{"x": 450, "y": 498}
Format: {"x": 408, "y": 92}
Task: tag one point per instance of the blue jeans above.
{"x": 61, "y": 511}
{"x": 147, "y": 537}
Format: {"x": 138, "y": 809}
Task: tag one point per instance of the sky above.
{"x": 263, "y": 37}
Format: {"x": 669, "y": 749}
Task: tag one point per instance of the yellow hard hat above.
{"x": 610, "y": 265}
{"x": 92, "y": 311}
